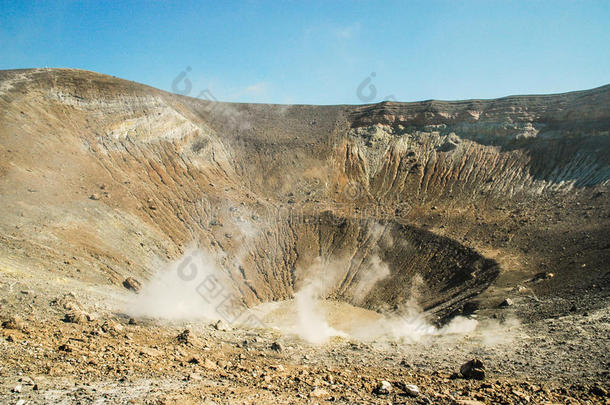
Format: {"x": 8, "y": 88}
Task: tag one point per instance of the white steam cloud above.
{"x": 315, "y": 319}
{"x": 192, "y": 287}
{"x": 311, "y": 318}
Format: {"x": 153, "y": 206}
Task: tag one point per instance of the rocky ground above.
{"x": 63, "y": 347}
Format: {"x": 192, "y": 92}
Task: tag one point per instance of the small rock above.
{"x": 195, "y": 377}
{"x": 132, "y": 321}
{"x": 599, "y": 391}
{"x": 224, "y": 364}
{"x": 412, "y": 390}
{"x": 506, "y": 303}
{"x": 405, "y": 363}
{"x": 111, "y": 327}
{"x": 383, "y": 388}
{"x": 319, "y": 393}
{"x": 17, "y": 388}
{"x": 521, "y": 395}
{"x": 149, "y": 351}
{"x": 14, "y": 322}
{"x": 543, "y": 276}
{"x": 132, "y": 284}
{"x": 76, "y": 316}
{"x": 275, "y": 346}
{"x": 520, "y": 289}
{"x": 65, "y": 348}
{"x": 184, "y": 337}
{"x": 151, "y": 204}
{"x": 222, "y": 325}
{"x": 209, "y": 364}
{"x": 193, "y": 360}
{"x": 67, "y": 302}
{"x": 473, "y": 370}
{"x": 94, "y": 197}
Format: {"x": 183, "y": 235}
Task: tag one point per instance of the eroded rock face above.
{"x": 462, "y": 194}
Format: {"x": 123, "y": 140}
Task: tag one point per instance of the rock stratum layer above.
{"x": 102, "y": 179}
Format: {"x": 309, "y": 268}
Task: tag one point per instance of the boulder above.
{"x": 132, "y": 284}
{"x": 473, "y": 370}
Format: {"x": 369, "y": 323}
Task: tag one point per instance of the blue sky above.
{"x": 320, "y": 52}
